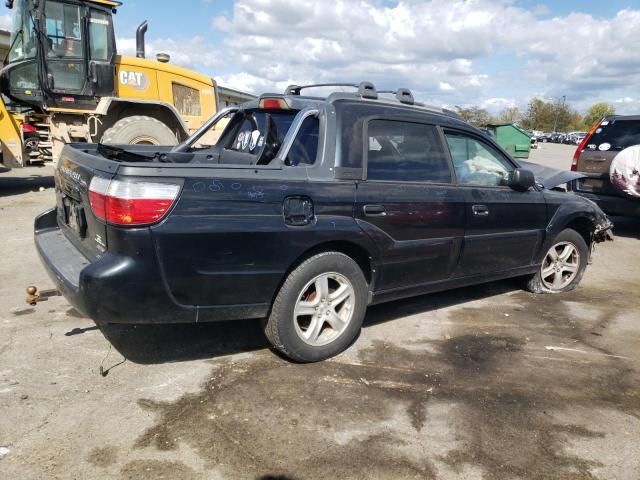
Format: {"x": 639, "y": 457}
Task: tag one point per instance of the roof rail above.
{"x": 365, "y": 89}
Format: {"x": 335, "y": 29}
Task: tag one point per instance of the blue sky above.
{"x": 491, "y": 53}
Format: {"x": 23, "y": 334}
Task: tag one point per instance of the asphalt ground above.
{"x": 486, "y": 382}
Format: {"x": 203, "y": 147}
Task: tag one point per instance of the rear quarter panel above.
{"x": 226, "y": 241}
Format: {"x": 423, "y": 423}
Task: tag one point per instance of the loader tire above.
{"x": 139, "y": 130}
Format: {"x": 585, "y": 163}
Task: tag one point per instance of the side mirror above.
{"x": 522, "y": 179}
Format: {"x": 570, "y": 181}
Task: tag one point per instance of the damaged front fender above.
{"x": 551, "y": 178}
{"x": 603, "y": 231}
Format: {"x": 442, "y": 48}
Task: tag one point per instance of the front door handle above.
{"x": 374, "y": 210}
{"x": 480, "y": 210}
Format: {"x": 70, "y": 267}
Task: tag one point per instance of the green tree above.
{"x": 596, "y": 112}
{"x": 540, "y": 115}
{"x": 510, "y": 115}
{"x": 476, "y": 116}
{"x": 553, "y": 116}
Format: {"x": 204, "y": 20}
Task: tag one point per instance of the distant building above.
{"x": 5, "y": 35}
{"x": 228, "y": 97}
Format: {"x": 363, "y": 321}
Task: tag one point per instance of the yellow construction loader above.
{"x": 63, "y": 81}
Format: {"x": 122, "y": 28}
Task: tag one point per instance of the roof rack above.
{"x": 403, "y": 95}
{"x": 368, "y": 90}
{"x": 365, "y": 89}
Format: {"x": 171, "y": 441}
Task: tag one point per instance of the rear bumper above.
{"x": 610, "y": 203}
{"x": 120, "y": 289}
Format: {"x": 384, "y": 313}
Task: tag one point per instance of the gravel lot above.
{"x": 483, "y": 382}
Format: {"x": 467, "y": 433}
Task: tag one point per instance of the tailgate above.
{"x": 595, "y": 161}
{"x": 73, "y": 175}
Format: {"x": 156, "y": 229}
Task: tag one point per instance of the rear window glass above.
{"x": 260, "y": 131}
{"x": 404, "y": 151}
{"x": 615, "y": 135}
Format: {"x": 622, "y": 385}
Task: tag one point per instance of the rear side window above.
{"x": 404, "y": 151}
{"x": 186, "y": 100}
{"x": 99, "y": 37}
{"x": 615, "y": 135}
{"x": 304, "y": 148}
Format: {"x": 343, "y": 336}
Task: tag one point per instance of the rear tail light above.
{"x": 131, "y": 202}
{"x": 582, "y": 145}
{"x": 274, "y": 104}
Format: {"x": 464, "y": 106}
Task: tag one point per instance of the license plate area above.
{"x": 591, "y": 185}
{"x": 73, "y": 216}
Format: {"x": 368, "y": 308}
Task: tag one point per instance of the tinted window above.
{"x": 619, "y": 134}
{"x": 99, "y": 42}
{"x": 406, "y": 152}
{"x": 305, "y": 146}
{"x": 476, "y": 162}
{"x": 64, "y": 30}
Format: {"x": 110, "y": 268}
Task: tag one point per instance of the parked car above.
{"x": 578, "y": 137}
{"x": 305, "y": 212}
{"x": 594, "y": 156}
{"x": 544, "y": 137}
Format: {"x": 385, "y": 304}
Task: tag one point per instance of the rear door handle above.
{"x": 480, "y": 210}
{"x": 374, "y": 210}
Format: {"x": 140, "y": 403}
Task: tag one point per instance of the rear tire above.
{"x": 563, "y": 265}
{"x": 139, "y": 129}
{"x": 319, "y": 309}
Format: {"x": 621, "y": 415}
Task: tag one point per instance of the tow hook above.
{"x": 33, "y": 297}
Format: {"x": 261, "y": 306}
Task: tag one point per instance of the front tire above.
{"x": 139, "y": 130}
{"x": 319, "y": 309}
{"x": 563, "y": 264}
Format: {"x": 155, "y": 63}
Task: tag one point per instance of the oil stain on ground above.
{"x": 370, "y": 418}
{"x": 158, "y": 470}
{"x": 103, "y": 456}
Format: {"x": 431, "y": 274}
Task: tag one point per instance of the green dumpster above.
{"x": 512, "y": 138}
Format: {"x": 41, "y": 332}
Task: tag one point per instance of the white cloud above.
{"x": 446, "y": 87}
{"x": 498, "y": 103}
{"x": 6, "y": 21}
{"x": 193, "y": 52}
{"x": 438, "y": 48}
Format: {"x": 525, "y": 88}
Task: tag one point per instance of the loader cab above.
{"x": 61, "y": 53}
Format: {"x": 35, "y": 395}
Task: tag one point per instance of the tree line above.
{"x": 555, "y": 116}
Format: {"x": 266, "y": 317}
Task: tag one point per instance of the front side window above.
{"x": 23, "y": 38}
{"x": 477, "y": 163}
{"x": 404, "y": 151}
{"x": 64, "y": 30}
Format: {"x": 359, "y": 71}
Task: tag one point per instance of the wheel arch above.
{"x": 360, "y": 254}
{"x": 581, "y": 223}
{"x": 112, "y": 109}
{"x": 584, "y": 226}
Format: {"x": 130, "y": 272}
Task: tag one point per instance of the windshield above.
{"x": 64, "y": 29}
{"x": 23, "y": 40}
